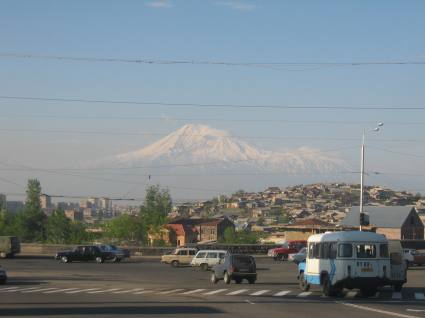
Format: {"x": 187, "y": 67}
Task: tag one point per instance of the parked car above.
{"x": 282, "y": 252}
{"x": 84, "y": 253}
{"x": 419, "y": 259}
{"x": 298, "y": 257}
{"x": 3, "y": 276}
{"x": 235, "y": 267}
{"x": 207, "y": 258}
{"x": 9, "y": 246}
{"x": 180, "y": 256}
{"x": 119, "y": 253}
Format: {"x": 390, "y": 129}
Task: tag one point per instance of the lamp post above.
{"x": 361, "y": 214}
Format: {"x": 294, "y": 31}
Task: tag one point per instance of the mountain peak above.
{"x": 200, "y": 130}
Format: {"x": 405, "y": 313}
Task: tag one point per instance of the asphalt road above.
{"x": 40, "y": 286}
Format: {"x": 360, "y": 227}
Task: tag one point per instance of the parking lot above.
{"x": 41, "y": 286}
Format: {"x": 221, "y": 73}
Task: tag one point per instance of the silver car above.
{"x": 298, "y": 257}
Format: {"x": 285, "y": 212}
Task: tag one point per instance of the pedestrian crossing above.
{"x": 204, "y": 292}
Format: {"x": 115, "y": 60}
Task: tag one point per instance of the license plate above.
{"x": 367, "y": 270}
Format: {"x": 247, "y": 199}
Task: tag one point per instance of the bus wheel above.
{"x": 398, "y": 287}
{"x": 304, "y": 286}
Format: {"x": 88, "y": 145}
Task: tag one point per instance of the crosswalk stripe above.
{"x": 9, "y": 290}
{"x": 166, "y": 292}
{"x": 420, "y": 296}
{"x": 237, "y": 292}
{"x": 37, "y": 290}
{"x": 128, "y": 291}
{"x": 215, "y": 291}
{"x": 193, "y": 291}
{"x": 282, "y": 293}
{"x": 31, "y": 288}
{"x": 81, "y": 290}
{"x": 260, "y": 292}
{"x": 396, "y": 295}
{"x": 103, "y": 291}
{"x": 304, "y": 294}
{"x": 351, "y": 294}
{"x": 59, "y": 290}
{"x": 144, "y": 292}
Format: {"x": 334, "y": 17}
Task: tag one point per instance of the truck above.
{"x": 9, "y": 246}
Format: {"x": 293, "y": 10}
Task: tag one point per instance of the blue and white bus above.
{"x": 351, "y": 259}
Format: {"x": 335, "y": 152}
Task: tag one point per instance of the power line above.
{"x": 162, "y": 118}
{"x": 398, "y": 152}
{"x": 203, "y": 62}
{"x": 199, "y": 105}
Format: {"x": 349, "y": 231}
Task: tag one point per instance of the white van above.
{"x": 350, "y": 259}
{"x": 208, "y": 258}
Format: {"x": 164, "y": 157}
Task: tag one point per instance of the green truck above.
{"x": 9, "y": 246}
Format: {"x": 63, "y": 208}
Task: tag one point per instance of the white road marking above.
{"x": 81, "y": 290}
{"x": 282, "y": 293}
{"x": 128, "y": 291}
{"x": 415, "y": 310}
{"x": 249, "y": 302}
{"x": 419, "y": 296}
{"x": 396, "y": 295}
{"x": 215, "y": 292}
{"x": 304, "y": 294}
{"x": 260, "y": 292}
{"x": 8, "y": 288}
{"x": 143, "y": 292}
{"x": 192, "y": 291}
{"x": 389, "y": 313}
{"x": 351, "y": 294}
{"x": 166, "y": 292}
{"x": 103, "y": 291}
{"x": 59, "y": 290}
{"x": 21, "y": 290}
{"x": 237, "y": 292}
{"x": 37, "y": 290}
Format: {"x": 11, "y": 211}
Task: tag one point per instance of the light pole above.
{"x": 361, "y": 214}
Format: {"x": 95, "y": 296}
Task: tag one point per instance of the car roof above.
{"x": 348, "y": 236}
{"x": 214, "y": 251}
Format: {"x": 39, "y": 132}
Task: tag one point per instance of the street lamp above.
{"x": 362, "y": 215}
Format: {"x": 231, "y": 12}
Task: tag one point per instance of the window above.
{"x": 201, "y": 255}
{"x": 182, "y": 252}
{"x": 345, "y": 250}
{"x": 192, "y": 252}
{"x": 365, "y": 250}
{"x": 212, "y": 255}
{"x": 324, "y": 253}
{"x": 332, "y": 250}
{"x": 383, "y": 250}
{"x": 221, "y": 255}
{"x": 314, "y": 250}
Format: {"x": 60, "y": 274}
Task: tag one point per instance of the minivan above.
{"x": 207, "y": 258}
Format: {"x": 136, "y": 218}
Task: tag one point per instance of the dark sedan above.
{"x": 236, "y": 268}
{"x": 84, "y": 253}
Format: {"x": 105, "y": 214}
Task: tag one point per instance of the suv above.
{"x": 9, "y": 246}
{"x": 235, "y": 267}
{"x": 84, "y": 253}
{"x": 207, "y": 258}
{"x": 281, "y": 253}
{"x": 180, "y": 256}
{"x": 119, "y": 253}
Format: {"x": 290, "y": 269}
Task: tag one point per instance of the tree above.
{"x": 33, "y": 217}
{"x": 125, "y": 228}
{"x": 58, "y": 228}
{"x": 229, "y": 235}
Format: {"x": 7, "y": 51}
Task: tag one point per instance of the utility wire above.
{"x": 199, "y": 105}
{"x": 203, "y": 62}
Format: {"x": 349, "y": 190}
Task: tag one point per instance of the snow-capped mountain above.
{"x": 207, "y": 148}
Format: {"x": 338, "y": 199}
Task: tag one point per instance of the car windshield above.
{"x": 303, "y": 250}
{"x": 284, "y": 245}
{"x": 113, "y": 247}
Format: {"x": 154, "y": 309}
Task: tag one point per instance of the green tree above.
{"x": 125, "y": 228}
{"x": 33, "y": 218}
{"x": 58, "y": 228}
{"x": 229, "y": 235}
{"x": 242, "y": 237}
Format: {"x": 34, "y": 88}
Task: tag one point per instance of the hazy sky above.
{"x": 56, "y": 134}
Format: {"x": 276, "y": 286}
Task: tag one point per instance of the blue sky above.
{"x": 212, "y": 30}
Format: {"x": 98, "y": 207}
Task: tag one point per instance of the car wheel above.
{"x": 175, "y": 263}
{"x": 3, "y": 255}
{"x": 115, "y": 259}
{"x": 284, "y": 257}
{"x": 238, "y": 280}
{"x": 251, "y": 280}
{"x": 3, "y": 281}
{"x": 227, "y": 278}
{"x": 327, "y": 289}
{"x": 214, "y": 278}
{"x": 304, "y": 286}
{"x": 64, "y": 259}
{"x": 99, "y": 259}
{"x": 398, "y": 287}
{"x": 204, "y": 267}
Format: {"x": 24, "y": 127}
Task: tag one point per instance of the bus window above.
{"x": 383, "y": 250}
{"x": 332, "y": 250}
{"x": 345, "y": 250}
{"x": 365, "y": 250}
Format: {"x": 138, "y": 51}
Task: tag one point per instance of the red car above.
{"x": 290, "y": 247}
